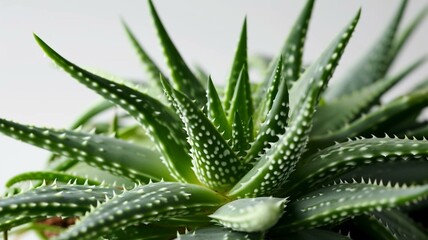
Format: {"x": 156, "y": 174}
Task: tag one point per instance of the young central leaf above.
{"x": 273, "y": 168}
{"x": 215, "y": 163}
{"x": 239, "y": 62}
{"x": 275, "y": 119}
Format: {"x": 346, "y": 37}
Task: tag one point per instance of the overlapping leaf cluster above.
{"x": 279, "y": 159}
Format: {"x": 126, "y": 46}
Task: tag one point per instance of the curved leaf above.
{"x": 116, "y": 156}
{"x": 54, "y": 200}
{"x": 337, "y": 202}
{"x": 292, "y": 51}
{"x": 415, "y": 172}
{"x": 391, "y": 112}
{"x": 143, "y": 232}
{"x": 346, "y": 108}
{"x": 215, "y": 233}
{"x": 147, "y": 203}
{"x": 160, "y": 123}
{"x": 50, "y": 176}
{"x": 373, "y": 65}
{"x": 182, "y": 76}
{"x": 316, "y": 234}
{"x": 151, "y": 67}
{"x": 336, "y": 160}
{"x": 390, "y": 225}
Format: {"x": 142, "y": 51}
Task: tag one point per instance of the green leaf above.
{"x": 292, "y": 51}
{"x": 50, "y": 176}
{"x": 215, "y": 111}
{"x": 402, "y": 38}
{"x": 390, "y": 225}
{"x": 338, "y": 202}
{"x": 315, "y": 234}
{"x": 250, "y": 214}
{"x": 373, "y": 65}
{"x": 415, "y": 169}
{"x": 240, "y": 136}
{"x": 143, "y": 231}
{"x": 336, "y": 160}
{"x": 182, "y": 76}
{"x": 215, "y": 233}
{"x": 149, "y": 203}
{"x": 274, "y": 125}
{"x": 239, "y": 68}
{"x": 91, "y": 113}
{"x": 293, "y": 47}
{"x": 346, "y": 108}
{"x": 116, "y": 156}
{"x": 267, "y": 101}
{"x": 215, "y": 163}
{"x": 151, "y": 67}
{"x": 242, "y": 101}
{"x": 54, "y": 200}
{"x": 273, "y": 168}
{"x": 391, "y": 112}
{"x": 162, "y": 125}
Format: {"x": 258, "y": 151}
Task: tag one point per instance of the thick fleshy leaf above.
{"x": 151, "y": 67}
{"x": 240, "y": 136}
{"x": 293, "y": 47}
{"x": 160, "y": 123}
{"x": 381, "y": 119}
{"x": 143, "y": 231}
{"x": 242, "y": 100}
{"x": 116, "y": 156}
{"x": 415, "y": 169}
{"x": 54, "y": 200}
{"x": 390, "y": 225}
{"x": 216, "y": 112}
{"x": 149, "y": 203}
{"x": 315, "y": 234}
{"x": 273, "y": 168}
{"x": 403, "y": 37}
{"x": 346, "y": 108}
{"x": 181, "y": 74}
{"x": 292, "y": 51}
{"x": 215, "y": 233}
{"x": 50, "y": 176}
{"x": 338, "y": 202}
{"x": 336, "y": 160}
{"x": 215, "y": 163}
{"x": 373, "y": 65}
{"x": 250, "y": 214}
{"x": 260, "y": 114}
{"x": 273, "y": 126}
{"x": 238, "y": 66}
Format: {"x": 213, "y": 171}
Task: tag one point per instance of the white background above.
{"x": 89, "y": 33}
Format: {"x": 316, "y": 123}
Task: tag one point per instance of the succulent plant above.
{"x": 283, "y": 158}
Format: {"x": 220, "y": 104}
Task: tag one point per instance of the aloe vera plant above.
{"x": 286, "y": 158}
